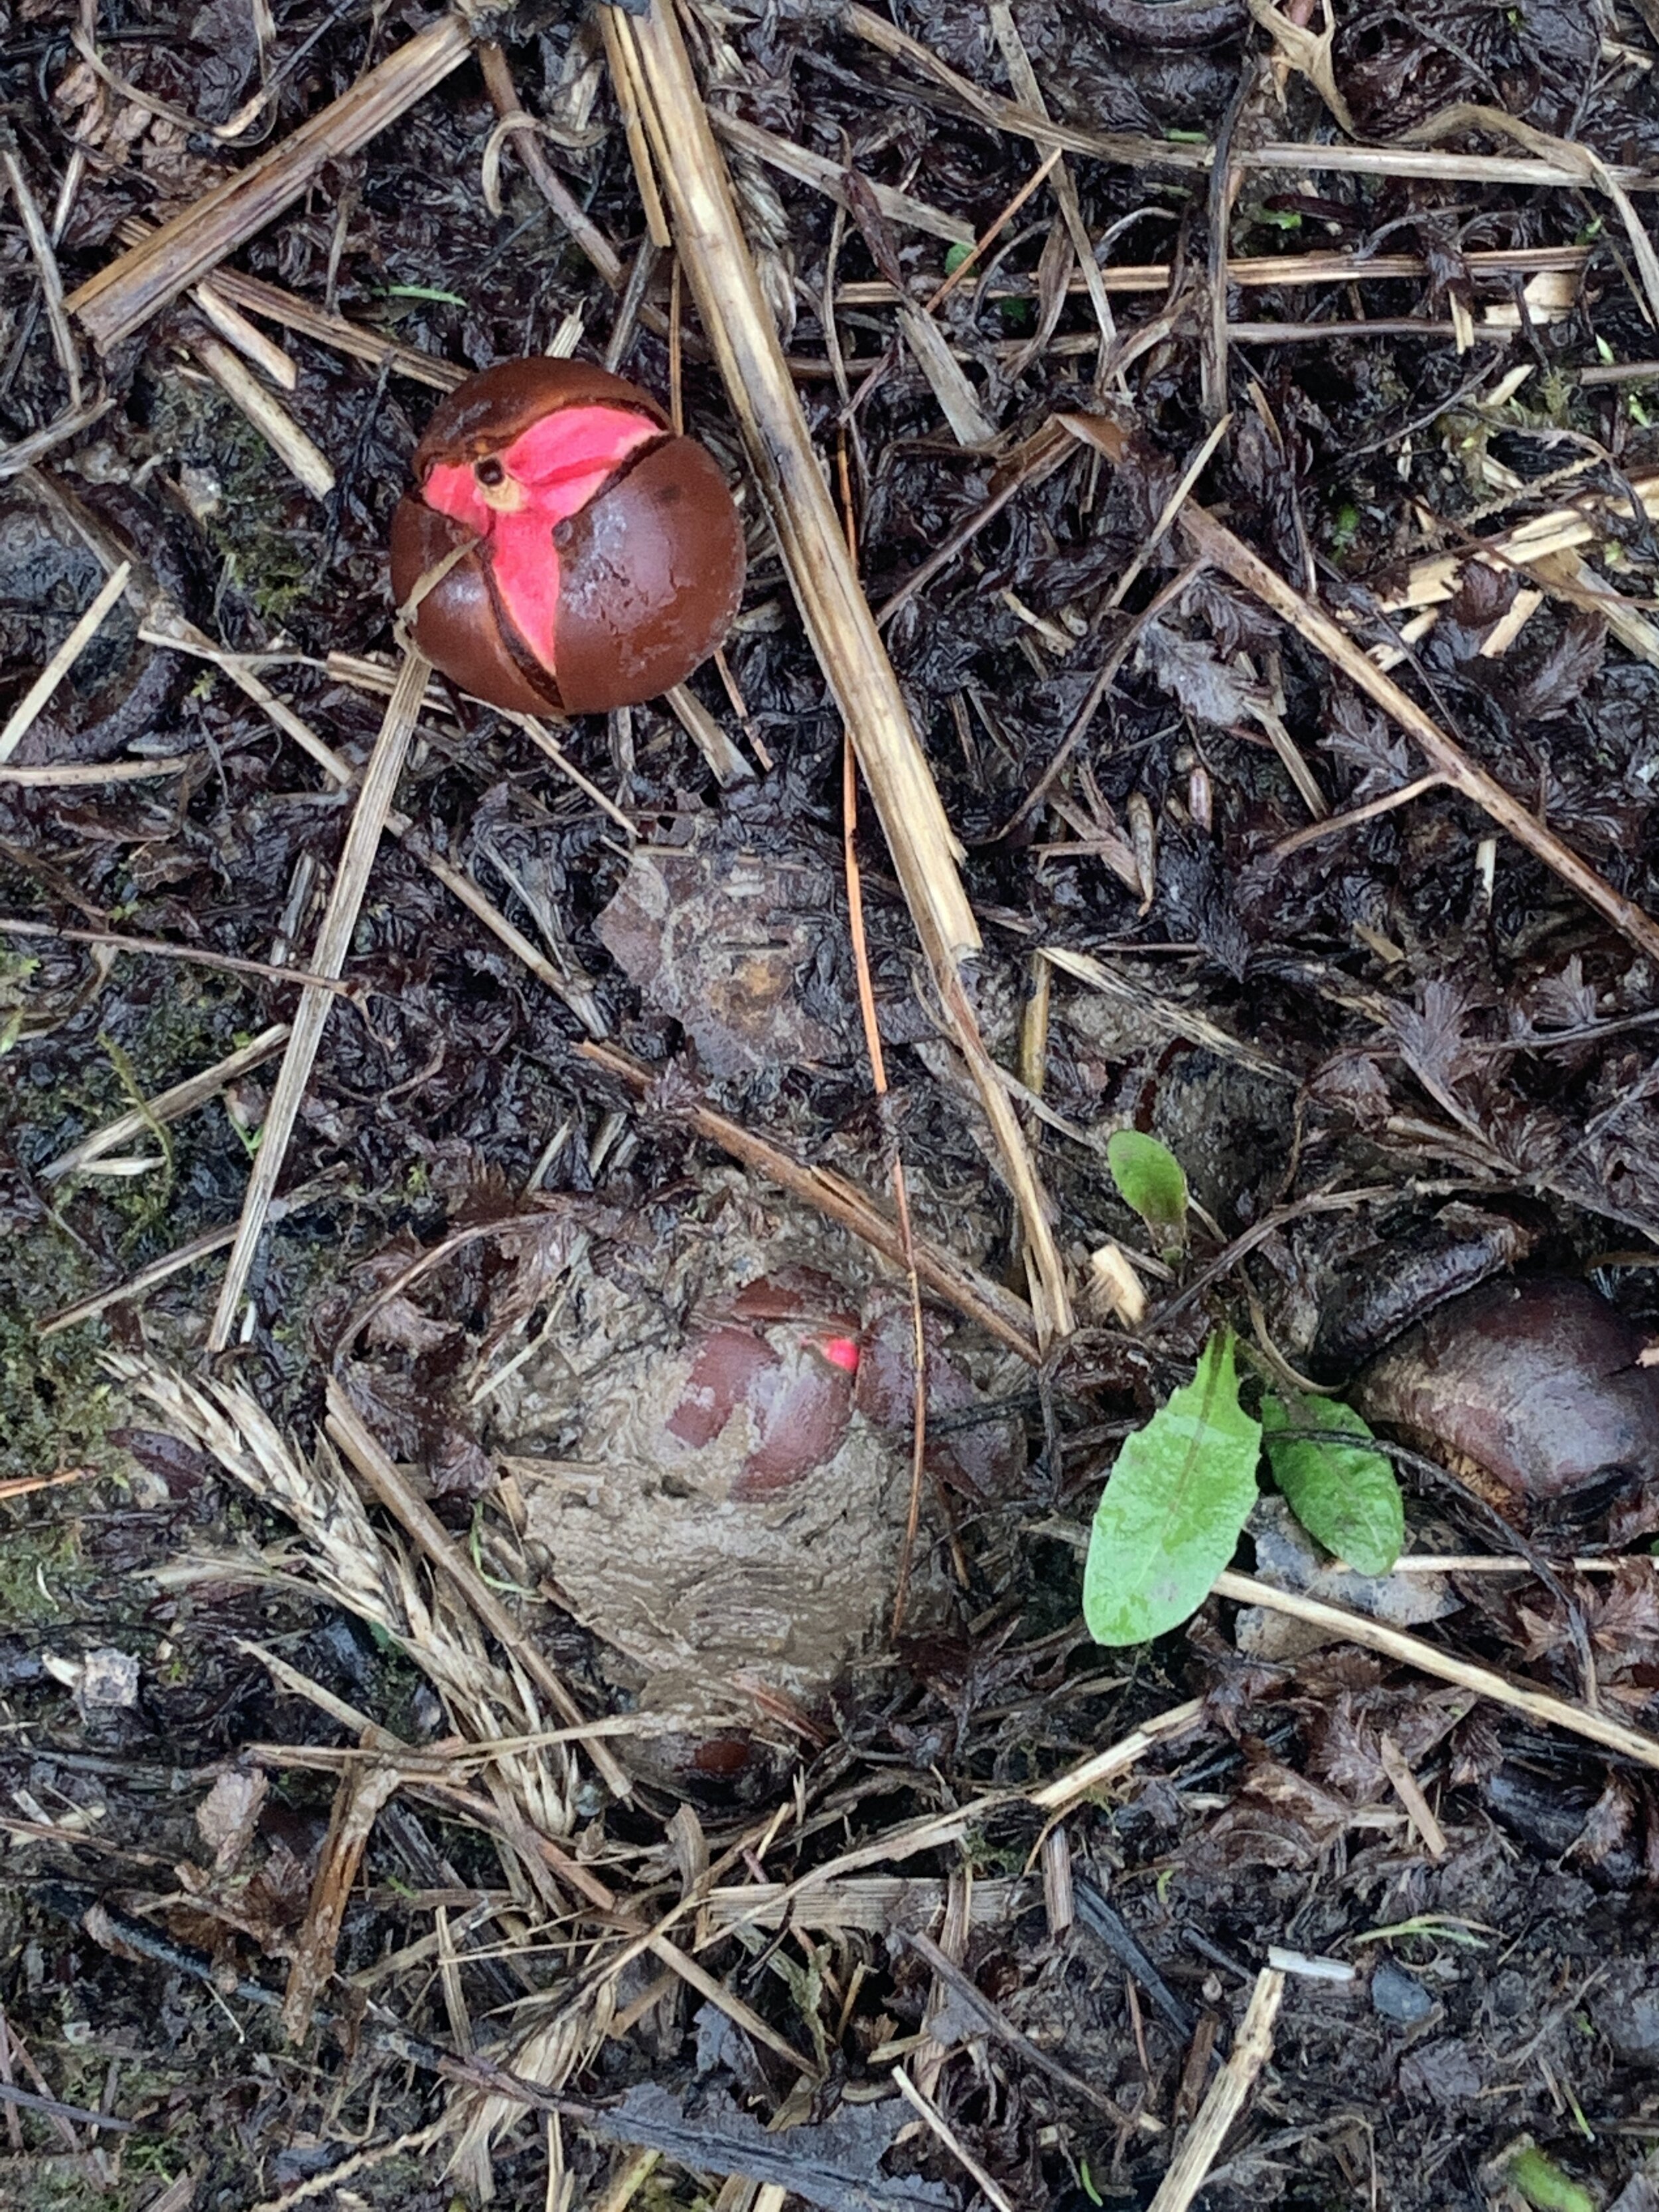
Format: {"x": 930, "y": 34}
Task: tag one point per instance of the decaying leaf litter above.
{"x": 1261, "y": 542}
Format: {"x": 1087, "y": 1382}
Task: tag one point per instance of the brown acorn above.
{"x": 1533, "y": 1390}
{"x": 600, "y": 556}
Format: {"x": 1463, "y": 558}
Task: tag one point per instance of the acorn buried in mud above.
{"x": 598, "y": 556}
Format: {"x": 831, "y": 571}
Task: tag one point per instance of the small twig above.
{"x": 498, "y": 82}
{"x": 195, "y": 955}
{"x": 29, "y": 708}
{"x": 25, "y": 1485}
{"x": 172, "y": 1263}
{"x": 1225, "y": 2101}
{"x": 87, "y": 775}
{"x": 1311, "y": 832}
{"x": 996, "y": 1311}
{"x": 55, "y": 2109}
{"x": 1217, "y": 544}
{"x": 15, "y": 459}
{"x": 375, "y": 794}
{"x": 301, "y": 455}
{"x": 947, "y": 2134}
{"x": 1445, "y": 1666}
{"x": 991, "y": 2017}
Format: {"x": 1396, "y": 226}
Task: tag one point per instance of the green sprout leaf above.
{"x": 959, "y": 253}
{"x": 1344, "y": 1496}
{"x": 1149, "y": 1180}
{"x": 1171, "y": 1513}
{"x": 1543, "y": 2183}
{"x": 424, "y": 292}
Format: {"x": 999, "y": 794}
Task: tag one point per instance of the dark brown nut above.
{"x": 596, "y": 557}
{"x": 1535, "y": 1384}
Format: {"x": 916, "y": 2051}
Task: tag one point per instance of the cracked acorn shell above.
{"x": 598, "y": 557}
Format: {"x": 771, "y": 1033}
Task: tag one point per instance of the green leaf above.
{"x": 1171, "y": 1513}
{"x": 1149, "y": 1179}
{"x": 1346, "y": 1497}
{"x": 959, "y": 253}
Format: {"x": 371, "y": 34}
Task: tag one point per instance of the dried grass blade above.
{"x": 744, "y": 339}
{"x": 52, "y": 286}
{"x": 122, "y": 297}
{"x": 350, "y": 1431}
{"x": 379, "y": 784}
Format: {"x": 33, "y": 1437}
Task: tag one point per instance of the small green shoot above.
{"x": 1171, "y": 1511}
{"x": 1149, "y": 1181}
{"x": 959, "y": 253}
{"x": 1451, "y": 1925}
{"x": 1543, "y": 2183}
{"x": 424, "y": 292}
{"x": 1344, "y": 1495}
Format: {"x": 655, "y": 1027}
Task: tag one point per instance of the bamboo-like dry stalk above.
{"x": 124, "y": 295}
{"x": 709, "y": 239}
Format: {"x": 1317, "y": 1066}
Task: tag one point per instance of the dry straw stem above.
{"x": 1226, "y": 2100}
{"x": 51, "y": 287}
{"x": 86, "y": 773}
{"x": 301, "y": 455}
{"x": 1561, "y": 529}
{"x": 168, "y": 1105}
{"x": 349, "y": 1431}
{"x": 709, "y": 239}
{"x": 170, "y": 1264}
{"x": 1253, "y": 272}
{"x": 1215, "y": 543}
{"x": 254, "y": 296}
{"x": 379, "y": 783}
{"x": 122, "y": 297}
{"x": 996, "y": 1311}
{"x": 1139, "y": 152}
{"x": 1429, "y": 1659}
{"x": 280, "y": 368}
{"x": 938, "y": 2126}
{"x": 30, "y": 706}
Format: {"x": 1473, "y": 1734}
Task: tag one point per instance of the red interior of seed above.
{"x": 559, "y": 463}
